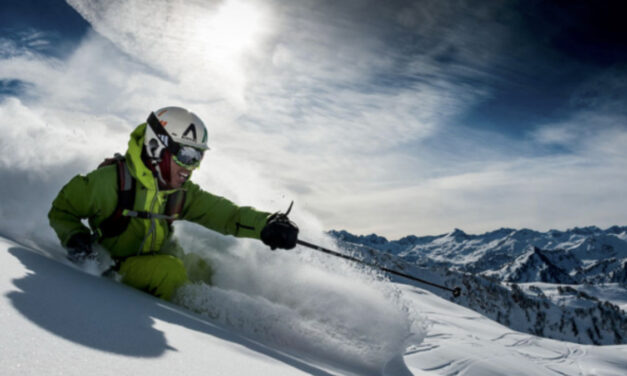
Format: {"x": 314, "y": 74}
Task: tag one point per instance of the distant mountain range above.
{"x": 528, "y": 280}
{"x": 581, "y": 255}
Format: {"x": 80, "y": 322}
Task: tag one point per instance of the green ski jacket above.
{"x": 95, "y": 196}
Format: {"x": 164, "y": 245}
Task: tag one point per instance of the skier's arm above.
{"x": 219, "y": 214}
{"x": 90, "y": 197}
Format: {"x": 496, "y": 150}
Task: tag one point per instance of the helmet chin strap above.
{"x": 156, "y": 168}
{"x": 152, "y": 161}
{"x": 155, "y": 163}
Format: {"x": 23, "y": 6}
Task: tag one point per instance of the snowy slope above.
{"x": 463, "y": 342}
{"x": 58, "y": 320}
{"x": 100, "y": 322}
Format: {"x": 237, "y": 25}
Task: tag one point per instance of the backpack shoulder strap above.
{"x": 116, "y": 223}
{"x": 174, "y": 205}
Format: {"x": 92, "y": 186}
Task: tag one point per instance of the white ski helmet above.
{"x": 178, "y": 131}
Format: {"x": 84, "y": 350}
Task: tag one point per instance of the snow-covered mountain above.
{"x": 60, "y": 320}
{"x": 580, "y": 255}
{"x": 531, "y": 281}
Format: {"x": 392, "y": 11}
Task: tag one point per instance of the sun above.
{"x": 224, "y": 44}
{"x": 235, "y": 28}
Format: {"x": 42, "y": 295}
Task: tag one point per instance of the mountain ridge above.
{"x": 582, "y": 252}
{"x": 528, "y": 280}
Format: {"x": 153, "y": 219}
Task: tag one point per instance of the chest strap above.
{"x": 148, "y": 215}
{"x": 119, "y": 220}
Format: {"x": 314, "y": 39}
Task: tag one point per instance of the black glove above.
{"x": 279, "y": 232}
{"x": 79, "y": 248}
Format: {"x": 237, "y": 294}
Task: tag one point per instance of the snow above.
{"x": 612, "y": 292}
{"x": 461, "y": 341}
{"x": 56, "y": 319}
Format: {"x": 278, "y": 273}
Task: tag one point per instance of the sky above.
{"x": 395, "y": 118}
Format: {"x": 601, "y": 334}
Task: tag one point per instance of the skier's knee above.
{"x": 159, "y": 275}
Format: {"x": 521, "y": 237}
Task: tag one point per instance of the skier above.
{"x": 130, "y": 203}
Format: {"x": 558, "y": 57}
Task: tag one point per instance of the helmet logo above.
{"x": 192, "y": 129}
{"x": 164, "y": 139}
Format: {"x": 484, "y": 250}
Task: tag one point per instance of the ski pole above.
{"x": 456, "y": 291}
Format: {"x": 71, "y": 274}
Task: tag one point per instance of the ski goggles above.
{"x": 188, "y": 157}
{"x": 184, "y": 155}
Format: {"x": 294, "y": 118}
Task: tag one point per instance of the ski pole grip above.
{"x": 457, "y": 292}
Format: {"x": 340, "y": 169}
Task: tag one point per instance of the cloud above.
{"x": 604, "y": 93}
{"x": 78, "y": 110}
{"x": 27, "y": 41}
{"x": 52, "y": 132}
{"x": 539, "y": 193}
{"x": 200, "y": 45}
{"x": 595, "y": 125}
{"x": 355, "y": 110}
